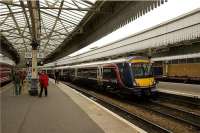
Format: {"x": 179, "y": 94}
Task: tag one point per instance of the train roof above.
{"x": 94, "y": 64}
{"x": 5, "y": 60}
{"x": 175, "y": 57}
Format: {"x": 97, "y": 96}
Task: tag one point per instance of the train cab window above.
{"x": 109, "y": 73}
{"x": 142, "y": 70}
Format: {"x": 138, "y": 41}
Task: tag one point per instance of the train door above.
{"x": 165, "y": 69}
{"x": 61, "y": 73}
{"x": 99, "y": 75}
{"x": 76, "y": 73}
{"x": 109, "y": 78}
{"x": 125, "y": 74}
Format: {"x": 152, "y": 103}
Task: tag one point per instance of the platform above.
{"x": 189, "y": 90}
{"x": 63, "y": 111}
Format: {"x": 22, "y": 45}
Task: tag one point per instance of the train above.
{"x": 183, "y": 70}
{"x": 5, "y": 73}
{"x": 130, "y": 75}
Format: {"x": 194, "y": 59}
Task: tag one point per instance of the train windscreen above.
{"x": 141, "y": 69}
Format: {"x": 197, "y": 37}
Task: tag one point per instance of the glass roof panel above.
{"x": 58, "y": 19}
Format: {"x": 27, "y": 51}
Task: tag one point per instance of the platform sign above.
{"x": 28, "y": 55}
{"x": 29, "y": 75}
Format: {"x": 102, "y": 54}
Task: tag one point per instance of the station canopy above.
{"x": 57, "y": 18}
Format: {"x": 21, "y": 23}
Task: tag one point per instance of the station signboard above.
{"x": 28, "y": 55}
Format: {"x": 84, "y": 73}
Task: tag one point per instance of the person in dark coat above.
{"x": 16, "y": 79}
{"x": 22, "y": 76}
{"x": 56, "y": 77}
{"x": 44, "y": 81}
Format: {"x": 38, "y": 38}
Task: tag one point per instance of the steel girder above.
{"x": 111, "y": 15}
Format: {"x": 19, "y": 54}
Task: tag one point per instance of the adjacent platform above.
{"x": 189, "y": 90}
{"x": 63, "y": 111}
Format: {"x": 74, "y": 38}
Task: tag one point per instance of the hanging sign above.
{"x": 28, "y": 55}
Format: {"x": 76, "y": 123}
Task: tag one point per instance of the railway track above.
{"x": 187, "y": 101}
{"x": 130, "y": 116}
{"x": 174, "y": 113}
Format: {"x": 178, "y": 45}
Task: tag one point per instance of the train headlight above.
{"x": 134, "y": 83}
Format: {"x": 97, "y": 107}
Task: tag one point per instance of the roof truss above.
{"x": 57, "y": 19}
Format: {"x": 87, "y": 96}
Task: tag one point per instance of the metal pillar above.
{"x": 149, "y": 53}
{"x": 34, "y": 79}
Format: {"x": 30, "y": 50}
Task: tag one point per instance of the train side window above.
{"x": 65, "y": 71}
{"x": 92, "y": 73}
{"x": 72, "y": 72}
{"x": 197, "y": 60}
{"x": 174, "y": 61}
{"x": 109, "y": 73}
{"x": 182, "y": 61}
{"x": 79, "y": 72}
{"x": 82, "y": 72}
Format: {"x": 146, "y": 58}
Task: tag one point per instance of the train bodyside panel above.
{"x": 5, "y": 73}
{"x": 178, "y": 71}
{"x": 184, "y": 70}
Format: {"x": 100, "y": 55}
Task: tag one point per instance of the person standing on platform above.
{"x": 16, "y": 79}
{"x": 22, "y": 78}
{"x": 56, "y": 76}
{"x": 43, "y": 79}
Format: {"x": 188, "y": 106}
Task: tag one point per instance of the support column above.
{"x": 166, "y": 68}
{"x": 34, "y": 78}
{"x": 149, "y": 53}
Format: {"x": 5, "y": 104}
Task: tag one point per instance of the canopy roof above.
{"x": 57, "y": 18}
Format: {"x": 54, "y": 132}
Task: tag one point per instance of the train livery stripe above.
{"x": 138, "y": 61}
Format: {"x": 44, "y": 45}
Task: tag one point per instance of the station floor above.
{"x": 189, "y": 90}
{"x": 63, "y": 111}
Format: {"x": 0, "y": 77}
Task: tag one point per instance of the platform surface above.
{"x": 56, "y": 113}
{"x": 190, "y": 90}
{"x": 63, "y": 111}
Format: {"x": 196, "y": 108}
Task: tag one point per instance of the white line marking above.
{"x": 4, "y": 90}
{"x": 179, "y": 93}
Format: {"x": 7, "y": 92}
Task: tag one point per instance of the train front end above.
{"x": 142, "y": 75}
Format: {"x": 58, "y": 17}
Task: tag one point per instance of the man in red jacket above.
{"x": 44, "y": 79}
